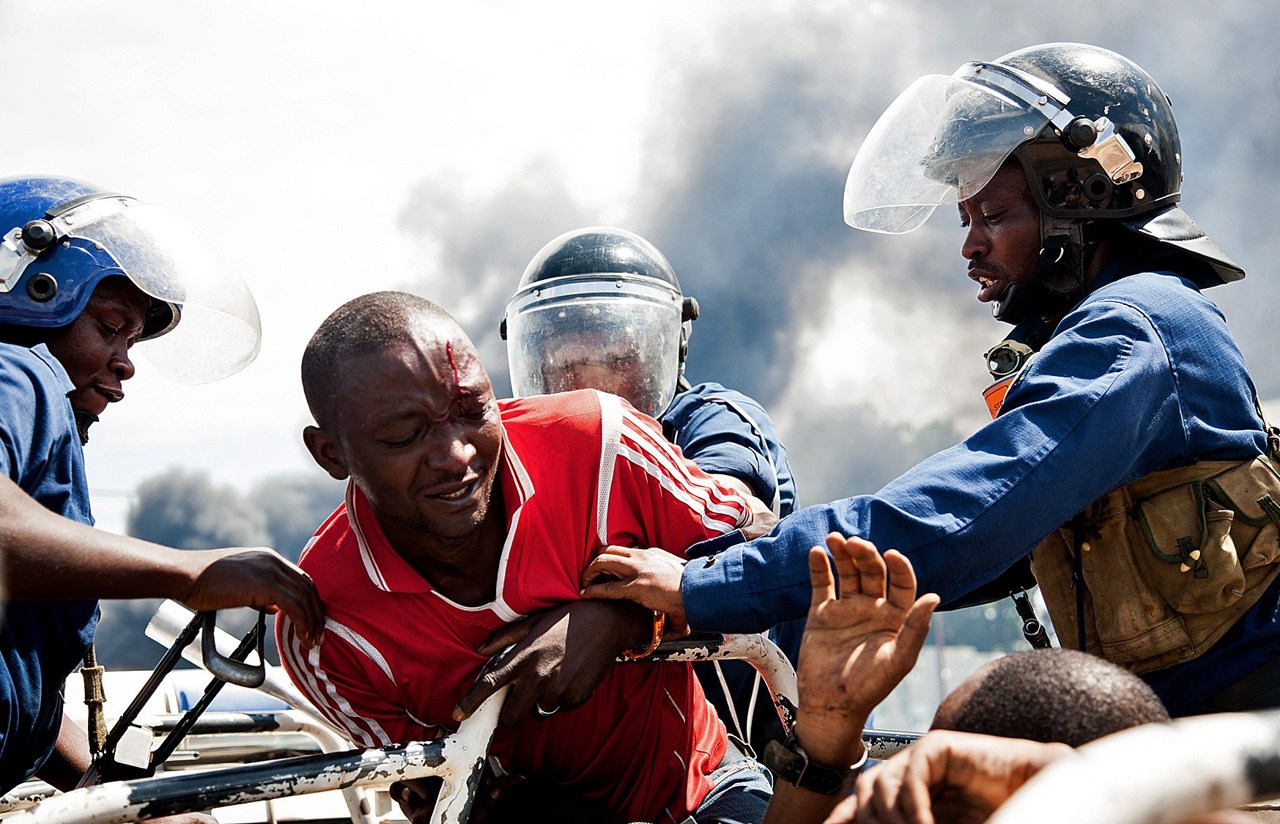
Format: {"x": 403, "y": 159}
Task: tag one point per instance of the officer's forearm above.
{"x": 49, "y": 557}
{"x": 70, "y": 757}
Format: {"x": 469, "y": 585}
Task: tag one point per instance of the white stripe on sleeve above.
{"x": 659, "y": 459}
{"x": 304, "y": 665}
{"x": 610, "y": 435}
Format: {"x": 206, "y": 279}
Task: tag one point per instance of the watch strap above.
{"x": 789, "y": 762}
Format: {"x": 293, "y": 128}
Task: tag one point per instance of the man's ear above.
{"x": 324, "y": 449}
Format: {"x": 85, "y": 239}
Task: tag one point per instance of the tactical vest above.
{"x": 1153, "y": 573}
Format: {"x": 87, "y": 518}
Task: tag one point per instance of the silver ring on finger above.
{"x": 537, "y": 708}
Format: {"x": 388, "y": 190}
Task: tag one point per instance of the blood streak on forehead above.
{"x": 457, "y": 376}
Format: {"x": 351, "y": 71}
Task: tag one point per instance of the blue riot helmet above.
{"x": 59, "y": 238}
{"x": 599, "y": 308}
{"x": 1093, "y": 133}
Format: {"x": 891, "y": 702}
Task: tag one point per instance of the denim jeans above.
{"x": 741, "y": 792}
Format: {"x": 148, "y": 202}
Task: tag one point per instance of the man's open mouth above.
{"x": 460, "y": 491}
{"x": 989, "y": 289}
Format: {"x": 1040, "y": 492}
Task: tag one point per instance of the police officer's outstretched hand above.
{"x": 49, "y": 557}
{"x": 650, "y": 577}
{"x": 254, "y": 577}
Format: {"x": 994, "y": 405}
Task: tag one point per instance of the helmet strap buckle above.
{"x": 1061, "y": 267}
{"x": 1112, "y": 153}
{"x": 1058, "y": 279}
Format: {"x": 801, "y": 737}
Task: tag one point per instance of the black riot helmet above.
{"x": 1093, "y": 133}
{"x": 599, "y": 308}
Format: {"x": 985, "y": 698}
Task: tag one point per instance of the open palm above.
{"x": 859, "y": 645}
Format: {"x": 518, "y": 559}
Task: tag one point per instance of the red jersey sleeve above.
{"x": 656, "y": 497}
{"x": 347, "y": 680}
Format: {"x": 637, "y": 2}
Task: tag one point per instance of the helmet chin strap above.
{"x": 1058, "y": 280}
{"x": 84, "y": 420}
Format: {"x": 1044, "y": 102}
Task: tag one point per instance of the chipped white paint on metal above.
{"x": 456, "y": 758}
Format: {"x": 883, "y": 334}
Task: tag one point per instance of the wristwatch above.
{"x": 789, "y": 762}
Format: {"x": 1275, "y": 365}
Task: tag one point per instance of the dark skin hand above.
{"x": 48, "y": 557}
{"x": 259, "y": 578}
{"x": 649, "y": 577}
{"x": 559, "y": 656}
{"x": 946, "y": 776}
{"x": 959, "y": 778}
{"x": 417, "y": 798}
{"x": 857, "y": 647}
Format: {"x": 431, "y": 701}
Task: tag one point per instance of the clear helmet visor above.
{"x": 220, "y": 331}
{"x": 941, "y": 141}
{"x": 614, "y": 333}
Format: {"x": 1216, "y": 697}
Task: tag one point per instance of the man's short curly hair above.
{"x": 1051, "y": 695}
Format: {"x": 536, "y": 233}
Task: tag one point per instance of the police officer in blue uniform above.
{"x": 1128, "y": 456}
{"x": 85, "y": 274}
{"x": 601, "y": 308}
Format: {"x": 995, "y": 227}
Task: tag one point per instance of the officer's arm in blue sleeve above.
{"x": 1096, "y": 396}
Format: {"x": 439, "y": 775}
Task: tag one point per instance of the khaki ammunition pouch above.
{"x": 1153, "y": 573}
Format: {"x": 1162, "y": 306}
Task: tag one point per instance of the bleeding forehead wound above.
{"x": 457, "y": 376}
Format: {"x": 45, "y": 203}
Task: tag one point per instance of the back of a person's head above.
{"x": 1051, "y": 695}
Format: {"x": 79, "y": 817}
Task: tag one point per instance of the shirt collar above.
{"x": 1035, "y": 333}
{"x": 42, "y": 352}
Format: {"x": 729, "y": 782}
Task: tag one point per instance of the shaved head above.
{"x": 405, "y": 409}
{"x": 369, "y": 323}
{"x": 1050, "y": 695}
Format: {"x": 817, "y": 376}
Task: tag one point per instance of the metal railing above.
{"x": 457, "y": 759}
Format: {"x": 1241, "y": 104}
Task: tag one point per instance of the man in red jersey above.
{"x": 464, "y": 514}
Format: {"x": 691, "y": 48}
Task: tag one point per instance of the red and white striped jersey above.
{"x": 579, "y": 471}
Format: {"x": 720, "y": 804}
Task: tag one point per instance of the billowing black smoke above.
{"x": 186, "y": 509}
{"x": 749, "y": 142}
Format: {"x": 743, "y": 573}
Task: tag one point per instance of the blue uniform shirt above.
{"x": 41, "y": 641}
{"x": 726, "y": 433}
{"x": 1141, "y": 375}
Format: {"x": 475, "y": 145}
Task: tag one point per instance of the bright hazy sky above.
{"x": 289, "y": 134}
{"x": 292, "y": 135}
